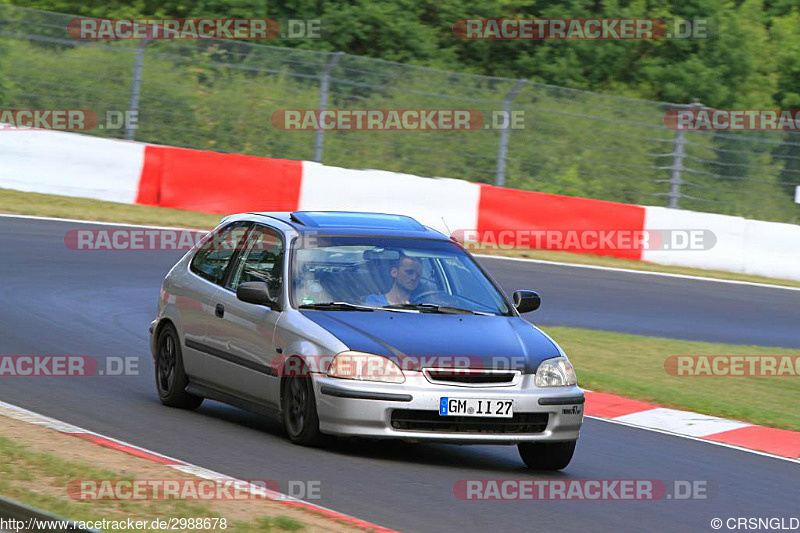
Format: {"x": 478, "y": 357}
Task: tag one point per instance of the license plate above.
{"x": 473, "y": 407}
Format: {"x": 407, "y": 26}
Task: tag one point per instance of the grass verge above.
{"x": 37, "y": 465}
{"x": 633, "y": 366}
{"x": 47, "y": 205}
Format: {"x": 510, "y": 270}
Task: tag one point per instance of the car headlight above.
{"x": 365, "y": 367}
{"x": 556, "y": 372}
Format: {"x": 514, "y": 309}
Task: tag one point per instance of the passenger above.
{"x": 310, "y": 291}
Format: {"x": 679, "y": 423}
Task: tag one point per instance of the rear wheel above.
{"x": 171, "y": 381}
{"x": 547, "y": 455}
{"x": 300, "y": 411}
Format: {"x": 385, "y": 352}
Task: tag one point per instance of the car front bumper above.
{"x": 362, "y": 408}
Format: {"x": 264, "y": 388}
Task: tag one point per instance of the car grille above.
{"x": 471, "y": 377}
{"x": 419, "y": 420}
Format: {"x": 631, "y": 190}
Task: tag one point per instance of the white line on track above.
{"x": 98, "y": 222}
{"x": 697, "y": 439}
{"x": 641, "y": 272}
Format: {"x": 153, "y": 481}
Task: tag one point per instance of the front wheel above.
{"x": 547, "y": 455}
{"x": 171, "y": 380}
{"x": 300, "y": 412}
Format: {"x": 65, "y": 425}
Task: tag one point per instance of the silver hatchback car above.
{"x": 362, "y": 325}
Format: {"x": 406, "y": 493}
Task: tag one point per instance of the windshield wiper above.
{"x": 429, "y": 308}
{"x": 339, "y": 306}
{"x": 433, "y": 308}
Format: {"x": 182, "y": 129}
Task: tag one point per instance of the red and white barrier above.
{"x": 212, "y": 182}
{"x": 502, "y": 209}
{"x": 69, "y": 164}
{"x": 728, "y": 252}
{"x": 80, "y": 165}
{"x": 432, "y": 201}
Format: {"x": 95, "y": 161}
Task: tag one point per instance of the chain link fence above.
{"x": 220, "y": 95}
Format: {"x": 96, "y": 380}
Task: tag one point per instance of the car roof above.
{"x": 330, "y": 223}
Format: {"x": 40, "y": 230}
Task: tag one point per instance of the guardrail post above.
{"x": 675, "y": 181}
{"x": 678, "y": 154}
{"x": 500, "y": 177}
{"x": 323, "y": 103}
{"x": 136, "y": 88}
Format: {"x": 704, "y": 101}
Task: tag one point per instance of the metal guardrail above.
{"x": 10, "y": 509}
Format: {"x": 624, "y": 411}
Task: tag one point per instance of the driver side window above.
{"x": 262, "y": 260}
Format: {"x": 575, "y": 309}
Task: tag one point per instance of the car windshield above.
{"x": 371, "y": 273}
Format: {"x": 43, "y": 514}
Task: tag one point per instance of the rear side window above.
{"x": 211, "y": 260}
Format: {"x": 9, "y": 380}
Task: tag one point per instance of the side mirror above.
{"x": 256, "y": 292}
{"x": 526, "y": 301}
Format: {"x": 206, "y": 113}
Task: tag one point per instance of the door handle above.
{"x": 219, "y": 310}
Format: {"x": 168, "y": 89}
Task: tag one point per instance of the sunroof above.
{"x": 341, "y": 219}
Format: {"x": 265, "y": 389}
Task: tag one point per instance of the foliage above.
{"x": 221, "y": 95}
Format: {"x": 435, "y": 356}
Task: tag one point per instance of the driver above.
{"x": 406, "y": 274}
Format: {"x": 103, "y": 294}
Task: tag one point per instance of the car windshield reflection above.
{"x": 358, "y": 273}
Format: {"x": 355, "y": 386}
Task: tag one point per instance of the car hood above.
{"x": 501, "y": 342}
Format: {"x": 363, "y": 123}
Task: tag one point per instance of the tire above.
{"x": 171, "y": 380}
{"x": 547, "y": 455}
{"x": 299, "y": 408}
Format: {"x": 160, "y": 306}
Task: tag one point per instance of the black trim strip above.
{"x": 235, "y": 359}
{"x": 213, "y": 394}
{"x": 564, "y": 400}
{"x": 386, "y": 396}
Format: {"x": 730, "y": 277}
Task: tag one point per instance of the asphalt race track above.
{"x": 57, "y": 301}
{"x": 659, "y": 306}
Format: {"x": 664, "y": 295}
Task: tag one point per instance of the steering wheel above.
{"x": 444, "y": 296}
